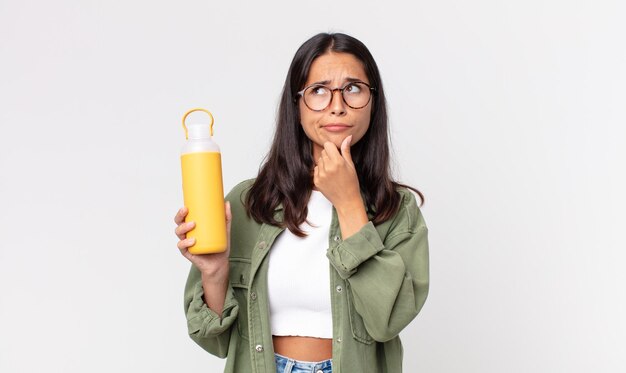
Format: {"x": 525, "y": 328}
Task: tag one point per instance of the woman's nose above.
{"x": 337, "y": 106}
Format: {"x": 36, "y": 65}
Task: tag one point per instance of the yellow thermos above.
{"x": 203, "y": 190}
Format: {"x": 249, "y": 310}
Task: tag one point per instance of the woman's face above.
{"x": 338, "y": 120}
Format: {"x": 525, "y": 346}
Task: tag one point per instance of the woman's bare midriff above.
{"x": 303, "y": 348}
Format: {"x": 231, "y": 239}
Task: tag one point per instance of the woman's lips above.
{"x": 335, "y": 127}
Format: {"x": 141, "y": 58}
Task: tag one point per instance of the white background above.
{"x": 508, "y": 115}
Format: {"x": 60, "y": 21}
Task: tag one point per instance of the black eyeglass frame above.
{"x": 332, "y": 94}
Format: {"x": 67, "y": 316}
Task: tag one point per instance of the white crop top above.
{"x": 299, "y": 277}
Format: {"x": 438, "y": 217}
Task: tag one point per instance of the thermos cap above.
{"x": 198, "y": 130}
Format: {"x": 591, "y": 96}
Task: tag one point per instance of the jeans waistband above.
{"x": 292, "y": 365}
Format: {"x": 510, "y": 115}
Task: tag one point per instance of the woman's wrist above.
{"x": 216, "y": 276}
{"x": 215, "y": 288}
{"x": 352, "y": 204}
{"x": 355, "y": 205}
{"x": 352, "y": 217}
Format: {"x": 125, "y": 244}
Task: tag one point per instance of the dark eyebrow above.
{"x": 348, "y": 79}
{"x": 323, "y": 82}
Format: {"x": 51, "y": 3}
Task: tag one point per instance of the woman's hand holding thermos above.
{"x": 207, "y": 264}
{"x": 213, "y": 267}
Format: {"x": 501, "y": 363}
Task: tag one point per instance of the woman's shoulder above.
{"x": 407, "y": 195}
{"x": 409, "y": 210}
{"x": 242, "y": 186}
{"x": 237, "y": 193}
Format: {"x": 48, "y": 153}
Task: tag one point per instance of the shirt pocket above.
{"x": 239, "y": 276}
{"x": 357, "y": 325}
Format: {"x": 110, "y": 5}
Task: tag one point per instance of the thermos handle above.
{"x": 191, "y": 111}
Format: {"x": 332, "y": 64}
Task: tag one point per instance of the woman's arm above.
{"x": 388, "y": 280}
{"x": 210, "y": 306}
{"x": 208, "y": 328}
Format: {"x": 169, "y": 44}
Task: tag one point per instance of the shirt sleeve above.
{"x": 388, "y": 277}
{"x": 204, "y": 325}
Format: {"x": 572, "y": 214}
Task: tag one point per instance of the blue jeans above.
{"x": 287, "y": 365}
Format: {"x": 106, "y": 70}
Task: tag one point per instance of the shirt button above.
{"x": 336, "y": 238}
{"x": 259, "y": 348}
{"x": 339, "y": 289}
{"x": 261, "y": 245}
{"x": 319, "y": 371}
{"x": 253, "y": 296}
{"x": 339, "y": 340}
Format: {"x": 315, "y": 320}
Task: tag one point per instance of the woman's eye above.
{"x": 353, "y": 88}
{"x": 318, "y": 90}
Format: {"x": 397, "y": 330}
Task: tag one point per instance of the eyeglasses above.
{"x": 318, "y": 97}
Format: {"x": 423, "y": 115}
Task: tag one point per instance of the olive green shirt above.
{"x": 378, "y": 284}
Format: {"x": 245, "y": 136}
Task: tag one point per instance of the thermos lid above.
{"x": 198, "y": 130}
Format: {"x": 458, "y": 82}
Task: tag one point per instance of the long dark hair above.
{"x": 286, "y": 175}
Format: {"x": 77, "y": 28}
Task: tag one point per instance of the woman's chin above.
{"x": 337, "y": 138}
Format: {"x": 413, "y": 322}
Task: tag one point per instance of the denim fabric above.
{"x": 287, "y": 365}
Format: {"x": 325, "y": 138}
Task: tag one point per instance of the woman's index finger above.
{"x": 180, "y": 215}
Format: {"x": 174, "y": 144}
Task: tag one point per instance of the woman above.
{"x": 328, "y": 257}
